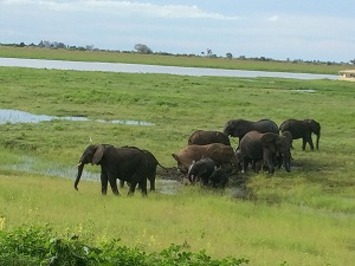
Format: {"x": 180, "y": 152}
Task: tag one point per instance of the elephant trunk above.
{"x": 287, "y": 162}
{"x": 80, "y": 171}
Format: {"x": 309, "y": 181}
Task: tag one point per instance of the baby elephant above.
{"x": 206, "y": 171}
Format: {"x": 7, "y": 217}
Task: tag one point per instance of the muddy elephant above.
{"x": 239, "y": 127}
{"x": 207, "y": 173}
{"x": 221, "y": 154}
{"x": 203, "y": 137}
{"x": 201, "y": 170}
{"x": 126, "y": 164}
{"x": 302, "y": 129}
{"x": 152, "y": 167}
{"x": 265, "y": 148}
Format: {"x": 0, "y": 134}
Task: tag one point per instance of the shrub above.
{"x": 35, "y": 245}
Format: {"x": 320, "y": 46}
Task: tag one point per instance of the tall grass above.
{"x": 264, "y": 233}
{"x": 304, "y": 217}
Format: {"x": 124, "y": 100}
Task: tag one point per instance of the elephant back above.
{"x": 266, "y": 125}
{"x": 203, "y": 137}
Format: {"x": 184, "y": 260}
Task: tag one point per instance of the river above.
{"x": 140, "y": 68}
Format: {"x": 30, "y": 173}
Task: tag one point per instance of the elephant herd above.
{"x": 208, "y": 157}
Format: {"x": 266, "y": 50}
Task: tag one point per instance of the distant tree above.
{"x": 352, "y": 61}
{"x": 142, "y": 48}
{"x": 46, "y": 44}
{"x": 61, "y": 45}
{"x": 229, "y": 55}
{"x": 209, "y": 52}
{"x": 90, "y": 47}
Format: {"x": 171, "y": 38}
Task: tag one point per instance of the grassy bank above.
{"x": 304, "y": 217}
{"x": 171, "y": 60}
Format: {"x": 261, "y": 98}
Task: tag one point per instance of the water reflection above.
{"x": 16, "y": 116}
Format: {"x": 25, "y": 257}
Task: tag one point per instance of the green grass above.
{"x": 305, "y": 217}
{"x": 171, "y": 60}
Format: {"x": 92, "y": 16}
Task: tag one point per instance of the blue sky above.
{"x": 280, "y": 29}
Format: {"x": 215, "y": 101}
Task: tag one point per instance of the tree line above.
{"x": 145, "y": 49}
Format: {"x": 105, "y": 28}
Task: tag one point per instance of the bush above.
{"x": 34, "y": 245}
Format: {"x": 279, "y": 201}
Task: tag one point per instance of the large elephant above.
{"x": 203, "y": 137}
{"x": 256, "y": 147}
{"x": 221, "y": 154}
{"x": 302, "y": 129}
{"x": 239, "y": 127}
{"x": 152, "y": 167}
{"x": 126, "y": 164}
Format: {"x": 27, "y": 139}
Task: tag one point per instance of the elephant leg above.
{"x": 143, "y": 185}
{"x": 304, "y": 141}
{"x": 268, "y": 159}
{"x": 245, "y": 165}
{"x": 258, "y": 165}
{"x": 113, "y": 185}
{"x": 152, "y": 183}
{"x": 132, "y": 188}
{"x": 310, "y": 141}
{"x": 152, "y": 180}
{"x": 104, "y": 182}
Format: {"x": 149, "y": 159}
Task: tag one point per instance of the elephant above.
{"x": 260, "y": 148}
{"x": 126, "y": 164}
{"x": 152, "y": 167}
{"x": 201, "y": 170}
{"x": 221, "y": 154}
{"x": 203, "y": 137}
{"x": 239, "y": 127}
{"x": 219, "y": 178}
{"x": 302, "y": 129}
{"x": 206, "y": 171}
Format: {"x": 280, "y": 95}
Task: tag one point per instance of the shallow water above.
{"x": 17, "y": 116}
{"x": 139, "y": 68}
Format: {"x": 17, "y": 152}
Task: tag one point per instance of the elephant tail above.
{"x": 80, "y": 171}
{"x": 163, "y": 167}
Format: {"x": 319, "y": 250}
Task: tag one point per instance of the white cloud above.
{"x": 123, "y": 7}
{"x": 273, "y": 18}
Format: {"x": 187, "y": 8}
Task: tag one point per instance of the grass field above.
{"x": 171, "y": 60}
{"x": 305, "y": 217}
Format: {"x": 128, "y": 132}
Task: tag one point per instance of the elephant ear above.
{"x": 288, "y": 135}
{"x": 98, "y": 154}
{"x": 268, "y": 138}
{"x": 314, "y": 126}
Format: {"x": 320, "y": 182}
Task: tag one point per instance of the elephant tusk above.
{"x": 80, "y": 163}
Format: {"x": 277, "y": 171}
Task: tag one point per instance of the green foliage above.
{"x": 32, "y": 245}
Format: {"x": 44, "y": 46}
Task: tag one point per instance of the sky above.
{"x": 279, "y": 29}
